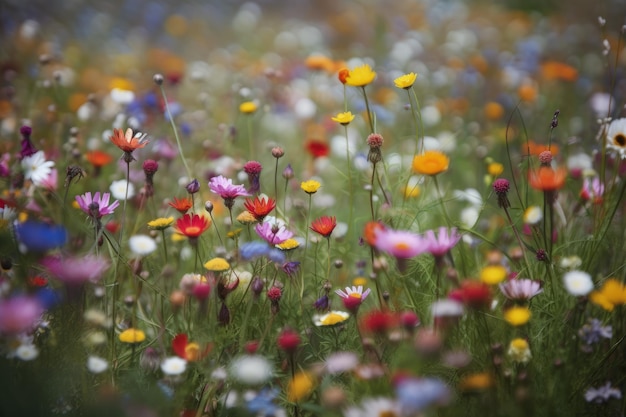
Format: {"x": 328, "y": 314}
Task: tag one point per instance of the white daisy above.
{"x": 36, "y": 168}
{"x": 96, "y": 364}
{"x": 173, "y": 365}
{"x": 616, "y": 137}
{"x": 27, "y": 352}
{"x": 142, "y": 245}
{"x": 578, "y": 283}
{"x": 118, "y": 189}
{"x": 251, "y": 369}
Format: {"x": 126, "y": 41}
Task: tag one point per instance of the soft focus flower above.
{"x": 272, "y": 234}
{"x": 378, "y": 321}
{"x": 343, "y": 118}
{"x": 132, "y": 335}
{"x": 310, "y": 186}
{"x": 375, "y": 407}
{"x": 353, "y": 297}
{"x": 96, "y": 364}
{"x": 141, "y": 245}
{"x": 602, "y": 394}
{"x": 39, "y": 237}
{"x": 338, "y": 362}
{"x": 447, "y": 308}
{"x": 288, "y": 244}
{"x": 519, "y": 351}
{"x": 96, "y": 206}
{"x": 19, "y": 314}
{"x": 183, "y": 205}
{"x": 417, "y": 394}
{"x": 476, "y": 382}
{"x": 593, "y": 331}
{"x": 173, "y": 366}
{"x": 441, "y": 243}
{"x": 399, "y": 243}
{"x": 324, "y": 225}
{"x": 616, "y": 137}
{"x": 36, "y": 168}
{"x": 260, "y": 207}
{"x": 520, "y": 289}
{"x": 300, "y": 386}
{"x": 217, "y": 265}
{"x": 317, "y": 147}
{"x": 405, "y": 81}
{"x": 547, "y": 179}
{"x": 517, "y": 316}
{"x": 76, "y": 270}
{"x": 247, "y": 107}
{"x": 331, "y": 318}
{"x": 98, "y": 158}
{"x": 288, "y": 340}
{"x": 578, "y": 283}
{"x": 122, "y": 189}
{"x": 360, "y": 76}
{"x": 27, "y": 352}
{"x": 189, "y": 351}
{"x": 611, "y": 294}
{"x": 250, "y": 369}
{"x": 430, "y": 163}
{"x": 493, "y": 274}
{"x": 533, "y": 215}
{"x": 161, "y": 223}
{"x": 472, "y": 293}
{"x": 592, "y": 190}
{"x": 128, "y": 141}
{"x": 192, "y": 225}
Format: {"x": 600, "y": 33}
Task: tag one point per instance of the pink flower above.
{"x": 353, "y": 297}
{"x": 400, "y": 243}
{"x": 225, "y": 188}
{"x": 439, "y": 245}
{"x": 592, "y": 190}
{"x": 273, "y": 233}
{"x": 76, "y": 270}
{"x": 520, "y": 289}
{"x": 19, "y": 314}
{"x": 97, "y": 206}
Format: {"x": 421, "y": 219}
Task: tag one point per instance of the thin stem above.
{"x": 180, "y": 148}
{"x": 517, "y": 236}
{"x": 306, "y": 247}
{"x": 351, "y": 202}
{"x": 369, "y": 113}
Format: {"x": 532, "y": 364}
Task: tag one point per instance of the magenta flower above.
{"x": 400, "y": 244}
{"x": 273, "y": 233}
{"x": 76, "y": 270}
{"x": 225, "y": 188}
{"x": 353, "y": 297}
{"x": 19, "y": 314}
{"x": 96, "y": 206}
{"x": 439, "y": 245}
{"x": 520, "y": 289}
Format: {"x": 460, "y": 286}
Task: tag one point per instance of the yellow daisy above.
{"x": 310, "y": 186}
{"x": 360, "y": 76}
{"x": 405, "y": 81}
{"x": 343, "y": 118}
{"x": 161, "y": 223}
{"x": 247, "y": 107}
{"x": 217, "y": 265}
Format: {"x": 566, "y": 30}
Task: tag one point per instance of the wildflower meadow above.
{"x": 313, "y": 208}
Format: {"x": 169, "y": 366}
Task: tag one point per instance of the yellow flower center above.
{"x": 332, "y": 318}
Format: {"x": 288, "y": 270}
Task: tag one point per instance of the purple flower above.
{"x": 291, "y": 268}
{"x": 439, "y": 245}
{"x": 272, "y": 234}
{"x": 400, "y": 243}
{"x": 415, "y": 395}
{"x": 76, "y": 270}
{"x": 19, "y": 314}
{"x": 602, "y": 394}
{"x": 520, "y": 289}
{"x": 592, "y": 332}
{"x": 28, "y": 148}
{"x": 225, "y": 188}
{"x": 96, "y": 206}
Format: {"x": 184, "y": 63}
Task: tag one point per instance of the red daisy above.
{"x": 192, "y": 225}
{"x": 324, "y": 225}
{"x": 259, "y": 208}
{"x": 182, "y": 205}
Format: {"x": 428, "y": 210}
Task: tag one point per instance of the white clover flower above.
{"x": 173, "y": 366}
{"x": 142, "y": 245}
{"x": 118, "y": 189}
{"x": 96, "y": 364}
{"x": 578, "y": 283}
{"x": 251, "y": 369}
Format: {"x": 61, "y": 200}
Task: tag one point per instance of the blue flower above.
{"x": 415, "y": 395}
{"x": 251, "y": 250}
{"x": 263, "y": 403}
{"x": 39, "y": 237}
{"x": 276, "y": 255}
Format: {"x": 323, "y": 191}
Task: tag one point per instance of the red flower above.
{"x": 317, "y": 147}
{"x": 324, "y": 225}
{"x": 128, "y": 141}
{"x": 474, "y": 294}
{"x": 547, "y": 179}
{"x": 182, "y": 205}
{"x": 99, "y": 158}
{"x": 190, "y": 351}
{"x": 259, "y": 208}
{"x": 378, "y": 321}
{"x": 288, "y": 340}
{"x": 192, "y": 225}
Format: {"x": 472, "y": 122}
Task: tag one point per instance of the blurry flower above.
{"x": 253, "y": 169}
{"x": 19, "y": 314}
{"x": 447, "y": 308}
{"x": 173, "y": 366}
{"x": 122, "y": 189}
{"x": 343, "y": 118}
{"x": 310, "y": 186}
{"x": 161, "y": 223}
{"x": 272, "y": 234}
{"x": 501, "y": 188}
{"x": 602, "y": 394}
{"x": 288, "y": 244}
{"x": 141, "y": 245}
{"x": 98, "y": 158}
{"x": 224, "y": 188}
{"x": 324, "y": 225}
{"x": 331, "y": 318}
{"x": 246, "y": 218}
{"x": 132, "y": 335}
{"x": 260, "y": 208}
{"x": 193, "y": 186}
{"x": 247, "y": 107}
{"x": 440, "y": 244}
{"x": 192, "y": 225}
{"x": 317, "y": 147}
{"x": 472, "y": 293}
{"x": 430, "y": 163}
{"x": 76, "y": 270}
{"x": 570, "y": 262}
{"x": 27, "y": 147}
{"x": 96, "y": 364}
{"x": 578, "y": 283}
{"x": 360, "y": 76}
{"x": 251, "y": 250}
{"x": 479, "y": 381}
{"x": 189, "y": 351}
{"x": 26, "y": 352}
{"x": 217, "y": 265}
{"x": 416, "y": 394}
{"x": 291, "y": 268}
{"x": 399, "y": 243}
{"x": 338, "y": 362}
{"x": 36, "y": 168}
{"x": 547, "y": 179}
{"x": 616, "y": 137}
{"x": 128, "y": 141}
{"x": 39, "y": 237}
{"x": 593, "y": 331}
{"x": 611, "y": 294}
{"x": 517, "y": 316}
{"x": 288, "y": 340}
{"x": 375, "y": 407}
{"x": 533, "y": 215}
{"x": 300, "y": 386}
{"x": 493, "y": 274}
{"x": 96, "y": 206}
{"x": 520, "y": 289}
{"x": 182, "y": 205}
{"x": 378, "y": 321}
{"x": 250, "y": 369}
{"x": 592, "y": 190}
{"x": 262, "y": 405}
{"x": 519, "y": 351}
{"x": 405, "y": 81}
{"x": 353, "y": 297}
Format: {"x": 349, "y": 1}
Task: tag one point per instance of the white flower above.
{"x": 373, "y": 407}
{"x": 251, "y": 369}
{"x": 173, "y": 365}
{"x": 533, "y": 215}
{"x": 446, "y": 308}
{"x": 121, "y": 96}
{"x": 96, "y": 364}
{"x": 578, "y": 283}
{"x": 27, "y": 352}
{"x": 36, "y": 168}
{"x": 339, "y": 362}
{"x": 142, "y": 245}
{"x": 118, "y": 189}
{"x": 616, "y": 137}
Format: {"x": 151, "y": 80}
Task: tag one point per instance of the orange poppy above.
{"x": 547, "y": 179}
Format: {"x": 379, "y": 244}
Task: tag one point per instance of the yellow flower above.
{"x": 412, "y": 191}
{"x": 343, "y": 118}
{"x": 246, "y": 218}
{"x": 300, "y": 386}
{"x": 310, "y": 186}
{"x": 430, "y": 163}
{"x": 519, "y": 351}
{"x": 288, "y": 244}
{"x": 612, "y": 293}
{"x": 132, "y": 335}
{"x": 476, "y": 382}
{"x": 359, "y": 281}
{"x": 533, "y": 215}
{"x": 247, "y": 107}
{"x": 161, "y": 223}
{"x": 493, "y": 274}
{"x": 517, "y": 316}
{"x": 360, "y": 76}
{"x": 233, "y": 233}
{"x": 217, "y": 265}
{"x": 331, "y": 318}
{"x": 405, "y": 81}
{"x": 495, "y": 169}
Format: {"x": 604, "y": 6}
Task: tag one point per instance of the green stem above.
{"x": 180, "y": 148}
{"x": 369, "y": 113}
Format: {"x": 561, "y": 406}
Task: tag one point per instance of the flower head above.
{"x": 192, "y": 225}
{"x": 128, "y": 141}
{"x": 519, "y": 351}
{"x": 247, "y": 107}
{"x": 517, "y": 316}
{"x": 324, "y": 225}
{"x": 98, "y": 159}
{"x": 547, "y": 179}
{"x": 39, "y": 237}
{"x": 360, "y": 76}
{"x": 19, "y": 314}
{"x": 578, "y": 283}
{"x": 493, "y": 274}
{"x": 400, "y": 244}
{"x": 189, "y": 351}
{"x": 520, "y": 289}
{"x": 141, "y": 245}
{"x": 331, "y": 318}
{"x": 441, "y": 243}
{"x": 272, "y": 233}
{"x": 611, "y": 294}
{"x": 224, "y": 188}
{"x": 251, "y": 369}
{"x": 182, "y": 206}
{"x": 310, "y": 186}
{"x": 353, "y": 297}
{"x": 343, "y": 118}
{"x": 161, "y": 223}
{"x": 122, "y": 189}
{"x": 300, "y": 386}
{"x": 173, "y": 365}
{"x": 260, "y": 207}
{"x": 501, "y": 188}
{"x": 132, "y": 335}
{"x": 36, "y": 168}
{"x": 405, "y": 81}
{"x": 430, "y": 163}
{"x": 96, "y": 206}
{"x": 602, "y": 394}
{"x": 76, "y": 270}
{"x": 616, "y": 137}
{"x": 217, "y": 265}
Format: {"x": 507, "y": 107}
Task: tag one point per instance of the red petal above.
{"x": 178, "y": 345}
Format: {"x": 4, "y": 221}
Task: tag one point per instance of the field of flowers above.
{"x": 312, "y": 209}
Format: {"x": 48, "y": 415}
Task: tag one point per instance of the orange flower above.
{"x": 534, "y": 148}
{"x": 259, "y": 208}
{"x": 547, "y": 179}
{"x": 192, "y": 225}
{"x": 98, "y": 158}
{"x": 181, "y": 205}
{"x": 189, "y": 351}
{"x": 370, "y": 230}
{"x": 430, "y": 163}
{"x": 324, "y": 225}
{"x": 128, "y": 141}
{"x": 555, "y": 70}
{"x": 320, "y": 63}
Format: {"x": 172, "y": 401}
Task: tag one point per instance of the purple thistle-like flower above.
{"x": 253, "y": 169}
{"x": 291, "y": 268}
{"x": 225, "y": 188}
{"x": 322, "y": 303}
{"x": 76, "y": 270}
{"x": 439, "y": 245}
{"x": 98, "y": 205}
{"x": 272, "y": 234}
{"x": 521, "y": 289}
{"x": 28, "y": 148}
